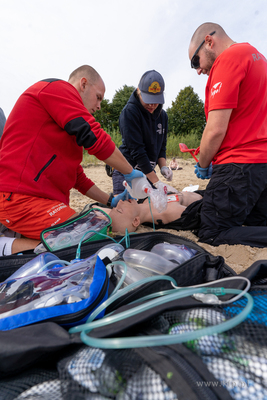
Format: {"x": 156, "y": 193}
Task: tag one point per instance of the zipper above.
{"x": 148, "y": 243}
{"x": 44, "y": 167}
{"x": 191, "y": 375}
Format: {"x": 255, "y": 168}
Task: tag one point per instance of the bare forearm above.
{"x": 162, "y": 162}
{"x": 119, "y": 162}
{"x": 209, "y": 146}
{"x": 152, "y": 176}
{"x": 97, "y": 194}
{"x": 213, "y": 135}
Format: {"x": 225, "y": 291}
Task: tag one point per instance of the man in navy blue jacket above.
{"x": 144, "y": 126}
{"x": 2, "y": 121}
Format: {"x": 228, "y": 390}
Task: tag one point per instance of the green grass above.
{"x": 173, "y": 149}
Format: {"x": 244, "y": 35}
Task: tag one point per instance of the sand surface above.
{"x": 238, "y": 257}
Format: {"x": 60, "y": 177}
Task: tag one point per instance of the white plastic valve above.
{"x": 140, "y": 188}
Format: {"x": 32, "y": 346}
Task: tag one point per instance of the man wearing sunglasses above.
{"x": 233, "y": 148}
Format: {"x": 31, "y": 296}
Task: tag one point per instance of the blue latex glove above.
{"x": 122, "y": 196}
{"x": 134, "y": 174}
{"x": 203, "y": 173}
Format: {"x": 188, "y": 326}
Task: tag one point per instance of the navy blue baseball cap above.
{"x": 152, "y": 86}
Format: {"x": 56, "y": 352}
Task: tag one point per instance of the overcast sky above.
{"x": 121, "y": 39}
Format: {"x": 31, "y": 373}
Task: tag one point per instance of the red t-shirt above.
{"x": 42, "y": 145}
{"x": 238, "y": 81}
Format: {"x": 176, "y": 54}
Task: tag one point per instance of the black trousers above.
{"x": 234, "y": 209}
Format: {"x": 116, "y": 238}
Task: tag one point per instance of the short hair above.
{"x": 85, "y": 70}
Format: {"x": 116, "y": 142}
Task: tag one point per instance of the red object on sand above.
{"x": 185, "y": 149}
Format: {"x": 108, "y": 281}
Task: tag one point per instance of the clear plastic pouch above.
{"x": 49, "y": 288}
{"x": 56, "y": 286}
{"x": 88, "y": 226}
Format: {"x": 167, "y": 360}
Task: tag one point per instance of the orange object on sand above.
{"x": 185, "y": 149}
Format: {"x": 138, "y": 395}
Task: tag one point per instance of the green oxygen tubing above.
{"x": 200, "y": 292}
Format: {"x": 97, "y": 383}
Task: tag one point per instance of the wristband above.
{"x": 111, "y": 197}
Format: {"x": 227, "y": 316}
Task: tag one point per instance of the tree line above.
{"x": 186, "y": 114}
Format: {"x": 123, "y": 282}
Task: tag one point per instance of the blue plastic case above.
{"x": 25, "y": 300}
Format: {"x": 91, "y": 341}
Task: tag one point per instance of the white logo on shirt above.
{"x": 215, "y": 89}
{"x": 159, "y": 130}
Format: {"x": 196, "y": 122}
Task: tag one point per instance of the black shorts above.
{"x": 235, "y": 196}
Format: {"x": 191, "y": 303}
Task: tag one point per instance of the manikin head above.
{"x": 125, "y": 215}
{"x": 90, "y": 86}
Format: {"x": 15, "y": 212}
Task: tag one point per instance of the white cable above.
{"x": 207, "y": 297}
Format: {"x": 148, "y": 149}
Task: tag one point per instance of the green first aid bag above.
{"x": 90, "y": 225}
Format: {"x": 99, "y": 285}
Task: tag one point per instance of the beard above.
{"x": 210, "y": 58}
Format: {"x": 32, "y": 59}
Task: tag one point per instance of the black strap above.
{"x": 173, "y": 379}
{"x": 196, "y": 362}
{"x": 111, "y": 197}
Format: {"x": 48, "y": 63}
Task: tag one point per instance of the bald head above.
{"x": 206, "y": 29}
{"x": 207, "y": 43}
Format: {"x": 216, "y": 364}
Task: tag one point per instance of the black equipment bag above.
{"x": 228, "y": 365}
{"x": 48, "y": 361}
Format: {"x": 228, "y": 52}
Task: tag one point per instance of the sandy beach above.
{"x": 238, "y": 257}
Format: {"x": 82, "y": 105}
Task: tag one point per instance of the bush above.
{"x": 187, "y": 113}
{"x": 116, "y": 137}
{"x": 119, "y": 100}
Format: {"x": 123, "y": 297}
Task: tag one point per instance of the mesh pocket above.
{"x": 37, "y": 384}
{"x": 238, "y": 357}
{"x": 111, "y": 374}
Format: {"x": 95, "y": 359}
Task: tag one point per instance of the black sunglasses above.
{"x": 195, "y": 58}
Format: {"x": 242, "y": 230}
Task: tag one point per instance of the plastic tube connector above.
{"x": 207, "y": 298}
{"x": 140, "y": 189}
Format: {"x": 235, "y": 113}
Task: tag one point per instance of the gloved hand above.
{"x": 160, "y": 184}
{"x": 134, "y": 174}
{"x": 203, "y": 173}
{"x": 122, "y": 196}
{"x": 166, "y": 172}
